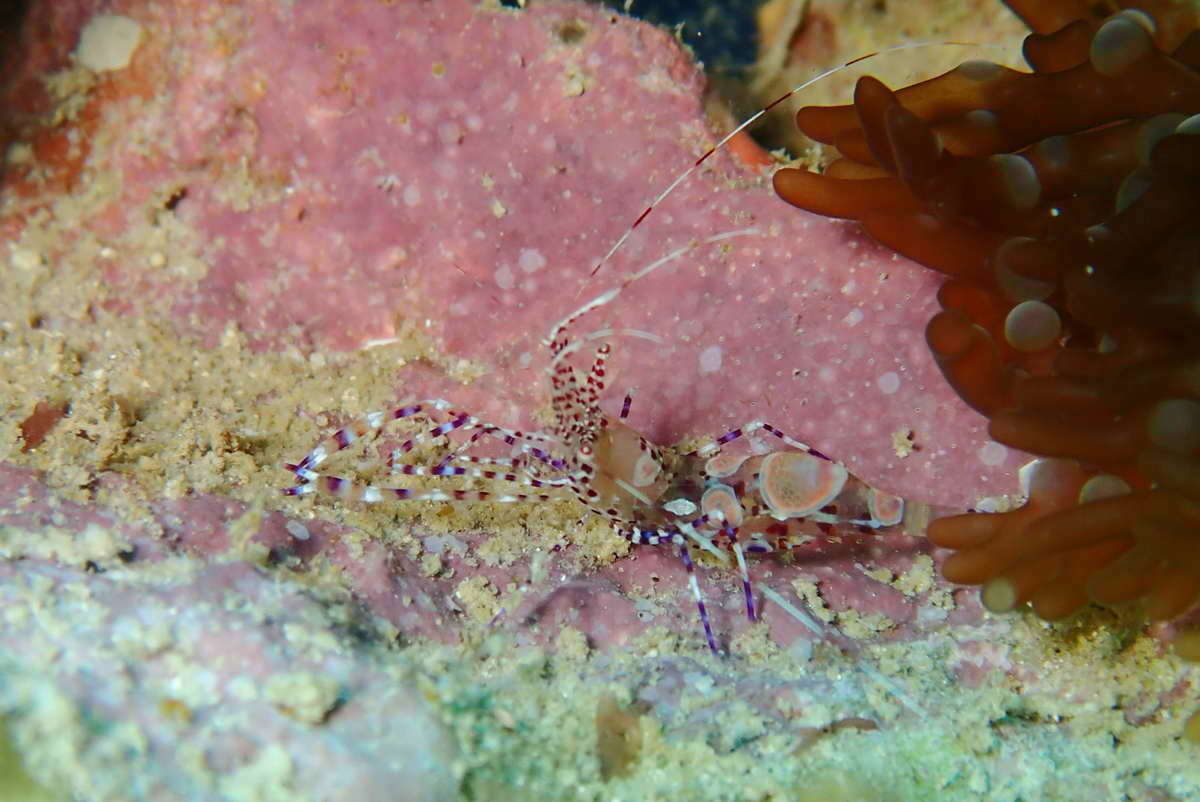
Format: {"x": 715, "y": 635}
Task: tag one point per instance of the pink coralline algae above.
{"x": 454, "y": 173}
{"x": 461, "y": 170}
{"x": 210, "y": 678}
{"x": 232, "y": 226}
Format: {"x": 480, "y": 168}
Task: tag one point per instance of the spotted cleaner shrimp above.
{"x": 704, "y": 497}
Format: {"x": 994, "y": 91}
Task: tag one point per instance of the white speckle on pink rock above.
{"x": 505, "y": 279}
{"x": 531, "y": 260}
{"x": 710, "y": 359}
{"x": 545, "y": 182}
{"x": 889, "y": 382}
{"x": 992, "y": 454}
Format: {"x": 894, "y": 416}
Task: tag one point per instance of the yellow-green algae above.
{"x": 15, "y": 783}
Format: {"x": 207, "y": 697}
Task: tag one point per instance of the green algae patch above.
{"x": 15, "y": 782}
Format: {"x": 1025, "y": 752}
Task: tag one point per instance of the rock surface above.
{"x": 229, "y": 226}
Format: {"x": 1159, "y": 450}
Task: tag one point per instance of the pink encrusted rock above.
{"x": 325, "y": 175}
{"x": 352, "y": 168}
{"x": 855, "y": 589}
{"x": 462, "y": 169}
{"x": 132, "y": 672}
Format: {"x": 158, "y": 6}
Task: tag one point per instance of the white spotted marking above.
{"x": 992, "y": 454}
{"x": 888, "y": 383}
{"x": 853, "y": 317}
{"x": 412, "y": 195}
{"x": 297, "y": 530}
{"x": 680, "y": 506}
{"x": 505, "y": 279}
{"x": 531, "y": 260}
{"x": 710, "y": 359}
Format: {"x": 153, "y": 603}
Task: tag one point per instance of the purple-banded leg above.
{"x": 458, "y": 420}
{"x": 457, "y": 452}
{"x": 522, "y": 443}
{"x": 512, "y": 437}
{"x": 686, "y": 556}
{"x": 370, "y": 423}
{"x": 626, "y": 405}
{"x": 407, "y": 469}
{"x": 747, "y": 429}
{"x": 312, "y": 482}
{"x": 462, "y": 422}
{"x": 515, "y": 469}
{"x": 731, "y": 532}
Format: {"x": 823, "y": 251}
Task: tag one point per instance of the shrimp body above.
{"x": 703, "y": 498}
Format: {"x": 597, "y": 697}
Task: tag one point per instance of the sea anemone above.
{"x": 1062, "y": 204}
